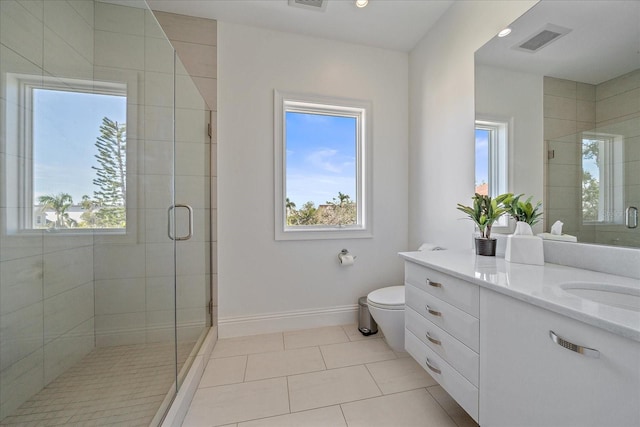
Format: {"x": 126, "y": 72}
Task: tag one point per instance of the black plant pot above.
{"x": 486, "y": 247}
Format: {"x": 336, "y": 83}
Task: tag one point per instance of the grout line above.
{"x": 343, "y": 415}
{"x": 374, "y": 379}
{"x": 288, "y": 393}
{"x": 443, "y": 408}
{"x": 323, "y": 361}
{"x": 246, "y": 366}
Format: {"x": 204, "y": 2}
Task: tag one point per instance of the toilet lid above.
{"x": 390, "y": 296}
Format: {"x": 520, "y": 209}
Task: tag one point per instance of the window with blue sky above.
{"x": 78, "y": 143}
{"x": 322, "y": 166}
{"x": 321, "y": 157}
{"x": 482, "y": 160}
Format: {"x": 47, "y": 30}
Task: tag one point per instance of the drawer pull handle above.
{"x": 434, "y": 284}
{"x": 433, "y": 368}
{"x": 433, "y": 312}
{"x": 585, "y": 351}
{"x": 433, "y": 340}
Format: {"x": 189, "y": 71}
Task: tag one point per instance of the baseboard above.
{"x": 240, "y": 326}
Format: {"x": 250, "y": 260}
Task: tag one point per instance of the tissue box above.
{"x": 524, "y": 250}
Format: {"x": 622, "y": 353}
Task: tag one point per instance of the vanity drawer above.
{"x": 464, "y": 295}
{"x": 461, "y": 325}
{"x": 465, "y": 393}
{"x": 458, "y": 355}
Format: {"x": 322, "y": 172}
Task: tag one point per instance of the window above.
{"x": 72, "y": 162}
{"x": 491, "y": 159}
{"x": 322, "y": 160}
{"x": 602, "y": 178}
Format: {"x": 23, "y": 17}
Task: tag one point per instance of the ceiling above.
{"x": 389, "y": 24}
{"x": 604, "y": 41}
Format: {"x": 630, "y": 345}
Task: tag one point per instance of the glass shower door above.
{"x": 101, "y": 133}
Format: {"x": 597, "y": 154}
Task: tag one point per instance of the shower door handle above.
{"x": 631, "y": 217}
{"x": 170, "y": 230}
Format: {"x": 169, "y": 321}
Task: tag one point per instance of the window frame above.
{"x": 292, "y": 102}
{"x": 20, "y": 88}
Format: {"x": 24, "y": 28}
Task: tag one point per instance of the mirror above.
{"x": 567, "y": 79}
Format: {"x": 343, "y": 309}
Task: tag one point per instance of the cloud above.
{"x": 329, "y": 160}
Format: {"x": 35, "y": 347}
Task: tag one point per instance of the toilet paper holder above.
{"x": 344, "y": 253}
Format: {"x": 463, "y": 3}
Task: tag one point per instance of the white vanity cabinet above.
{"x": 442, "y": 331}
{"x": 527, "y": 379}
{"x": 483, "y": 333}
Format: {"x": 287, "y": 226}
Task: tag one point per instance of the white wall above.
{"x": 258, "y": 275}
{"x": 516, "y": 96}
{"x": 441, "y": 144}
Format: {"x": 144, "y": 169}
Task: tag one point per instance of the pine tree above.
{"x": 111, "y": 194}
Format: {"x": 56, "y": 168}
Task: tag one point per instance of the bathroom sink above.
{"x": 624, "y": 297}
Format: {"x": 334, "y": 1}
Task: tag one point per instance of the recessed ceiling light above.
{"x": 505, "y": 32}
{"x": 362, "y": 3}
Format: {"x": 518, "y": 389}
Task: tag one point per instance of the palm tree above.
{"x": 339, "y": 211}
{"x": 60, "y": 204}
{"x": 291, "y": 211}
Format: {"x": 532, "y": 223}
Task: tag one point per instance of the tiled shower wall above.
{"x": 49, "y": 283}
{"x": 46, "y": 283}
{"x": 570, "y": 108}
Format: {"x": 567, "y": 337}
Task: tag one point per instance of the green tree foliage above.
{"x": 88, "y": 217}
{"x": 590, "y": 197}
{"x": 59, "y": 203}
{"x": 340, "y": 211}
{"x": 305, "y": 216}
{"x": 590, "y": 184}
{"x": 110, "y": 197}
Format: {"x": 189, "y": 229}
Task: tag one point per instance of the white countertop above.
{"x": 538, "y": 285}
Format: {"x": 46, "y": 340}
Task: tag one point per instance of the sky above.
{"x": 320, "y": 157}
{"x": 482, "y": 156}
{"x": 65, "y": 128}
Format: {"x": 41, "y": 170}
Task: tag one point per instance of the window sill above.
{"x": 72, "y": 232}
{"x": 323, "y": 234}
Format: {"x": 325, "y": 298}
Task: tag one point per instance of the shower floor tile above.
{"x": 120, "y": 386}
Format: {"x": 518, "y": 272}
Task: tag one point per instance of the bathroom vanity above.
{"x": 526, "y": 345}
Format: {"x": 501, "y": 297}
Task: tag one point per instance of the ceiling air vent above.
{"x": 542, "y": 38}
{"x": 319, "y": 5}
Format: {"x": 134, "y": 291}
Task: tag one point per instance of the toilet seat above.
{"x": 389, "y": 298}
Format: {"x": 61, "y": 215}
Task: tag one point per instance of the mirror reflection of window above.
{"x": 491, "y": 159}
{"x": 602, "y": 178}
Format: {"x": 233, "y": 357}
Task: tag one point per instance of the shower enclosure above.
{"x": 105, "y": 203}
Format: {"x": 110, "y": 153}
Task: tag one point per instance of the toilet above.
{"x": 386, "y": 306}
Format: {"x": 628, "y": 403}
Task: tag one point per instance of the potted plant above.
{"x": 522, "y": 246}
{"x": 522, "y": 211}
{"x": 484, "y": 212}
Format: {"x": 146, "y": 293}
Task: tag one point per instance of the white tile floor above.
{"x": 322, "y": 377}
